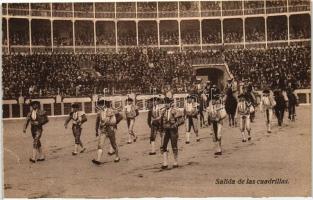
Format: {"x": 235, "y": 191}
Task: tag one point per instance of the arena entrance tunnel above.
{"x": 216, "y": 73}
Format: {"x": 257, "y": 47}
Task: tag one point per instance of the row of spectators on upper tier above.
{"x": 149, "y": 37}
{"x": 86, "y": 9}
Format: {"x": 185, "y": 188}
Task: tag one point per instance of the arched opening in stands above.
{"x": 214, "y": 74}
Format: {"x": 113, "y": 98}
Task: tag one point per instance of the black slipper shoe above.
{"x": 96, "y": 162}
{"x": 218, "y": 153}
{"x": 164, "y": 167}
{"x": 83, "y": 150}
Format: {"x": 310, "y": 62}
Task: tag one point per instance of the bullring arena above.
{"x": 62, "y": 53}
{"x": 284, "y": 153}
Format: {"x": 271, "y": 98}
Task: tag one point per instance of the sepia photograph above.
{"x": 141, "y": 99}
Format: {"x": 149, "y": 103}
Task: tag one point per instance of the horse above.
{"x": 230, "y": 106}
{"x": 203, "y": 102}
{"x": 280, "y": 106}
{"x": 292, "y": 103}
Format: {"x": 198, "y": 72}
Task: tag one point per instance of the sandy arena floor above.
{"x": 284, "y": 154}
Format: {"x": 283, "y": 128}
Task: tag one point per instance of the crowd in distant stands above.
{"x": 107, "y": 39}
{"x": 148, "y": 38}
{"x": 19, "y": 38}
{"x": 190, "y": 37}
{"x": 46, "y": 75}
{"x": 63, "y": 74}
{"x": 211, "y": 38}
{"x": 140, "y": 70}
{"x": 277, "y": 34}
{"x": 233, "y": 37}
{"x": 260, "y": 66}
{"x": 255, "y": 35}
{"x": 169, "y": 38}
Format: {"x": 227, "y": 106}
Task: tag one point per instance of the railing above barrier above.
{"x": 58, "y": 107}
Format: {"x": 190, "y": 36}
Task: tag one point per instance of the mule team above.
{"x": 164, "y": 118}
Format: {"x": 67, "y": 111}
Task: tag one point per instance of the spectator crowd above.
{"x": 260, "y": 66}
{"x": 140, "y": 70}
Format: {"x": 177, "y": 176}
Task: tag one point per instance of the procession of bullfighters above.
{"x": 156, "y": 99}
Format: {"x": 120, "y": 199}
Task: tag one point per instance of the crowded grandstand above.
{"x": 82, "y": 48}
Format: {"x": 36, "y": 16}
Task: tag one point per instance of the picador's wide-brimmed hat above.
{"x": 100, "y": 102}
{"x": 34, "y": 103}
{"x": 168, "y": 100}
{"x": 130, "y": 99}
{"x": 189, "y": 97}
{"x": 75, "y": 105}
{"x": 103, "y": 102}
{"x": 154, "y": 99}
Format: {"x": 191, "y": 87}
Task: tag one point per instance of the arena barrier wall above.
{"x": 15, "y": 109}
